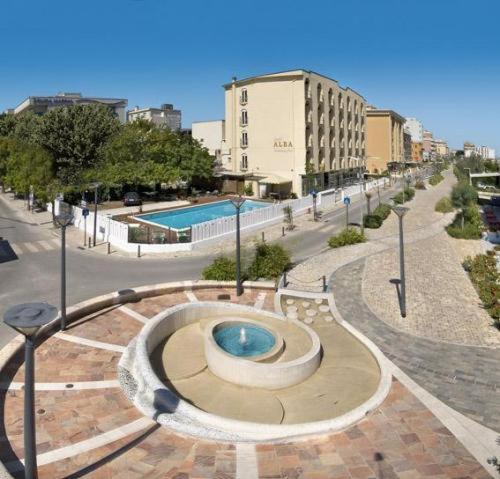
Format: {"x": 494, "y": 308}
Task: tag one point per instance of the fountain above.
{"x": 243, "y": 336}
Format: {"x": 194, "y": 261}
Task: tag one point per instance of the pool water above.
{"x": 185, "y": 217}
{"x": 258, "y": 340}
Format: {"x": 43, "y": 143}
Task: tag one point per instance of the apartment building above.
{"x": 212, "y": 135}
{"x": 40, "y": 105}
{"x": 385, "y": 140}
{"x": 416, "y": 129}
{"x": 292, "y": 132}
{"x": 417, "y": 151}
{"x": 406, "y": 144}
{"x": 441, "y": 147}
{"x": 428, "y": 146}
{"x": 486, "y": 152}
{"x": 164, "y": 116}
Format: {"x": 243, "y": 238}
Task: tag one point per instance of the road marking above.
{"x": 17, "y": 386}
{"x": 259, "y": 302}
{"x": 90, "y": 342}
{"x": 85, "y": 446}
{"x": 31, "y": 247}
{"x": 133, "y": 314}
{"x": 16, "y": 249}
{"x": 246, "y": 461}
{"x": 191, "y": 296}
{"x": 45, "y": 245}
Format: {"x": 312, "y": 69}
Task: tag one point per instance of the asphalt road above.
{"x": 36, "y": 276}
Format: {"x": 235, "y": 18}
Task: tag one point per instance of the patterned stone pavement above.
{"x": 97, "y": 433}
{"x": 466, "y": 378}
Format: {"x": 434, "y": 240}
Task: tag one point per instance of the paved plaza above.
{"x": 88, "y": 428}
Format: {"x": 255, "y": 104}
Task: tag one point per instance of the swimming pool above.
{"x": 185, "y": 217}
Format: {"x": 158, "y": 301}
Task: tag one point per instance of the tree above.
{"x": 29, "y": 166}
{"x": 143, "y": 154}
{"x": 7, "y": 124}
{"x": 27, "y": 128}
{"x": 463, "y": 196}
{"x": 75, "y": 136}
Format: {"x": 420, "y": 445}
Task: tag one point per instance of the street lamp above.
{"x": 95, "y": 186}
{"x": 401, "y": 211}
{"x": 237, "y": 203}
{"x": 27, "y": 319}
{"x": 63, "y": 219}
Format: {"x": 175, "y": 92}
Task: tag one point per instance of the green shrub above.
{"x": 372, "y": 221}
{"x": 435, "y": 179}
{"x": 248, "y": 190}
{"x": 383, "y": 210}
{"x": 408, "y": 195}
{"x": 483, "y": 273}
{"x": 467, "y": 224}
{"x": 222, "y": 269}
{"x": 419, "y": 185}
{"x": 270, "y": 261}
{"x": 444, "y": 205}
{"x": 463, "y": 195}
{"x": 346, "y": 237}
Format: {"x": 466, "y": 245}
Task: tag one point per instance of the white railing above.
{"x": 107, "y": 229}
{"x": 116, "y": 232}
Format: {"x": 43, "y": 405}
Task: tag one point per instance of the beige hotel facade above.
{"x": 276, "y": 124}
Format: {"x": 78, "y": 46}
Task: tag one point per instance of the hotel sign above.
{"x": 282, "y": 145}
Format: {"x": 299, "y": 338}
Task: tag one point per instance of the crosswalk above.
{"x": 35, "y": 246}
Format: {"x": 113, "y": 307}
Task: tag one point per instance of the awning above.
{"x": 274, "y": 180}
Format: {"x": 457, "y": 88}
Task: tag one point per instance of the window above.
{"x": 244, "y": 96}
{"x": 244, "y": 162}
{"x": 244, "y": 118}
{"x": 244, "y": 138}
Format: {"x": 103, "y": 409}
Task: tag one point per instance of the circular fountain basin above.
{"x": 244, "y": 339}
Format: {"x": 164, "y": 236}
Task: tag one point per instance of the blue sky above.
{"x": 437, "y": 60}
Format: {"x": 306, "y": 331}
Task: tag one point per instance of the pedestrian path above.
{"x": 40, "y": 246}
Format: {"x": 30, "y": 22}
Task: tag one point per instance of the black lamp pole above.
{"x": 27, "y": 319}
{"x": 237, "y": 203}
{"x": 401, "y": 211}
{"x": 63, "y": 220}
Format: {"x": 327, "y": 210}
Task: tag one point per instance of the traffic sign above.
{"x": 347, "y": 200}
{"x": 85, "y": 211}
{"x": 314, "y": 193}
{"x": 83, "y": 204}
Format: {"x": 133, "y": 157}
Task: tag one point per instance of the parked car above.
{"x": 132, "y": 199}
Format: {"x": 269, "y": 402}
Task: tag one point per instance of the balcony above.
{"x": 243, "y": 143}
{"x": 243, "y": 121}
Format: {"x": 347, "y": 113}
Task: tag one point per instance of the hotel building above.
{"x": 385, "y": 139}
{"x": 212, "y": 135}
{"x": 417, "y": 151}
{"x": 292, "y": 132}
{"x": 163, "y": 116}
{"x": 42, "y": 104}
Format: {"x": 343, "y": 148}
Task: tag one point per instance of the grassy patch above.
{"x": 444, "y": 205}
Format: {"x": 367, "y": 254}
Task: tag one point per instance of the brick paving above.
{"x": 467, "y": 378}
{"x": 402, "y": 438}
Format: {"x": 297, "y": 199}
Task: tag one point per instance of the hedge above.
{"x": 444, "y": 205}
{"x": 471, "y": 221}
{"x": 435, "y": 179}
{"x": 408, "y": 196}
{"x": 346, "y": 237}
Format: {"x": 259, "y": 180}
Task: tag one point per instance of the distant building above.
{"x": 469, "y": 149}
{"x": 407, "y": 144}
{"x": 428, "y": 146}
{"x": 485, "y": 152}
{"x": 163, "y": 116}
{"x": 42, "y": 104}
{"x": 212, "y": 135}
{"x": 292, "y": 132}
{"x": 417, "y": 151}
{"x": 415, "y": 128}
{"x": 441, "y": 147}
{"x": 385, "y": 140}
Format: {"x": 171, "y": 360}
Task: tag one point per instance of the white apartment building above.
{"x": 292, "y": 132}
{"x": 163, "y": 116}
{"x": 212, "y": 135}
{"x": 40, "y": 105}
{"x": 485, "y": 152}
{"x": 416, "y": 129}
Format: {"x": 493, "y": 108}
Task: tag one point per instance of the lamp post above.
{"x": 314, "y": 195}
{"x": 401, "y": 211}
{"x": 63, "y": 219}
{"x": 95, "y": 186}
{"x": 27, "y": 319}
{"x": 237, "y": 203}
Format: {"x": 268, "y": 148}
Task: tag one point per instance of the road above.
{"x": 34, "y": 276}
